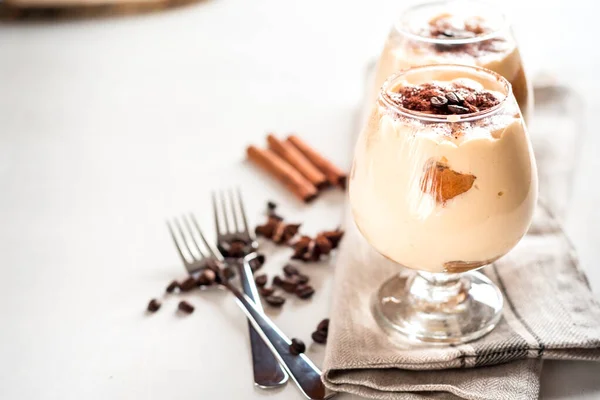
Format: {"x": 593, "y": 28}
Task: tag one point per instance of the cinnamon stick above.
{"x": 285, "y": 173}
{"x": 296, "y": 159}
{"x": 334, "y": 175}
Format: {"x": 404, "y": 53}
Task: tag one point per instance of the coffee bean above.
{"x": 266, "y": 291}
{"x": 447, "y": 33}
{"x": 334, "y": 236}
{"x": 289, "y": 270}
{"x": 271, "y": 205}
{"x": 323, "y": 244}
{"x": 153, "y": 305}
{"x": 323, "y": 325}
{"x": 438, "y": 102}
{"x": 453, "y": 98}
{"x": 289, "y": 285}
{"x": 458, "y": 109}
{"x": 228, "y": 272}
{"x": 319, "y": 337}
{"x": 172, "y": 286}
{"x": 301, "y": 279}
{"x": 258, "y": 262}
{"x": 185, "y": 307}
{"x": 236, "y": 249}
{"x": 188, "y": 284}
{"x": 261, "y": 280}
{"x": 275, "y": 301}
{"x": 305, "y": 291}
{"x": 206, "y": 278}
{"x": 277, "y": 280}
{"x": 297, "y": 347}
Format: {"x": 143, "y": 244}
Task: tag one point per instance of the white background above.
{"x": 108, "y": 127}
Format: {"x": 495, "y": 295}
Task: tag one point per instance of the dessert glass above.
{"x": 465, "y": 32}
{"x": 443, "y": 195}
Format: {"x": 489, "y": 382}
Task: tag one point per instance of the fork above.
{"x": 306, "y": 375}
{"x": 267, "y": 371}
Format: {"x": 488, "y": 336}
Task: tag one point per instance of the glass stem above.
{"x": 438, "y": 290}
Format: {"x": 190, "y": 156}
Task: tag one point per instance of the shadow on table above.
{"x": 570, "y": 380}
{"x": 13, "y": 14}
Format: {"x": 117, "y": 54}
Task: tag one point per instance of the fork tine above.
{"x": 233, "y": 207}
{"x": 189, "y": 228}
{"x": 185, "y": 242}
{"x": 243, "y": 212}
{"x": 224, "y": 212}
{"x": 216, "y": 213}
{"x": 214, "y": 252}
{"x": 185, "y": 261}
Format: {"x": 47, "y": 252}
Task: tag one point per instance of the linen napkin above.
{"x": 549, "y": 310}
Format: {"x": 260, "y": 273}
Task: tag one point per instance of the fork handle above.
{"x": 306, "y": 375}
{"x": 267, "y": 371}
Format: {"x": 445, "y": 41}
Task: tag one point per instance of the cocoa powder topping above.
{"x": 443, "y": 99}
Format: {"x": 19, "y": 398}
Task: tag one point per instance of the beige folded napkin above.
{"x": 549, "y": 313}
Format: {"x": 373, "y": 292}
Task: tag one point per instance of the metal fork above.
{"x": 306, "y": 375}
{"x": 267, "y": 371}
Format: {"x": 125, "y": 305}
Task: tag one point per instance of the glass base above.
{"x": 438, "y": 307}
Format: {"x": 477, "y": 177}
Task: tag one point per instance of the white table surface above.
{"x": 108, "y": 127}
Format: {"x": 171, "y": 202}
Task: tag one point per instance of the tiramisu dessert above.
{"x": 444, "y": 178}
{"x": 455, "y": 32}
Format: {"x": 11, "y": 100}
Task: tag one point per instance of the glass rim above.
{"x": 398, "y": 25}
{"x": 384, "y": 95}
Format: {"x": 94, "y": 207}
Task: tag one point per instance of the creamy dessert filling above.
{"x": 442, "y": 175}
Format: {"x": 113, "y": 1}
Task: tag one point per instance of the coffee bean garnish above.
{"x": 323, "y": 325}
{"x": 458, "y": 109}
{"x": 206, "y": 278}
{"x": 297, "y": 347}
{"x": 188, "y": 284}
{"x": 305, "y": 291}
{"x": 289, "y": 270}
{"x": 289, "y": 285}
{"x": 275, "y": 301}
{"x": 172, "y": 286}
{"x": 153, "y": 305}
{"x": 185, "y": 307}
{"x": 261, "y": 280}
{"x": 277, "y": 280}
{"x": 319, "y": 337}
{"x": 301, "y": 279}
{"x": 438, "y": 102}
{"x": 453, "y": 98}
{"x": 258, "y": 262}
{"x": 266, "y": 291}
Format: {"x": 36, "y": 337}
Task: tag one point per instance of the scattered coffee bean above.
{"x": 334, "y": 237}
{"x": 319, "y": 337}
{"x": 153, "y": 305}
{"x": 301, "y": 279}
{"x": 323, "y": 325}
{"x": 261, "y": 280}
{"x": 289, "y": 285}
{"x": 236, "y": 249}
{"x": 277, "y": 280}
{"x": 172, "y": 286}
{"x": 271, "y": 205}
{"x": 458, "y": 109}
{"x": 323, "y": 244}
{"x": 297, "y": 347}
{"x": 275, "y": 301}
{"x": 185, "y": 307}
{"x": 300, "y": 247}
{"x": 257, "y": 263}
{"x": 438, "y": 102}
{"x": 305, "y": 291}
{"x": 289, "y": 270}
{"x": 266, "y": 291}
{"x": 228, "y": 272}
{"x": 206, "y": 278}
{"x": 188, "y": 284}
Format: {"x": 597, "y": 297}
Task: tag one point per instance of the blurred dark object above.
{"x": 36, "y": 10}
